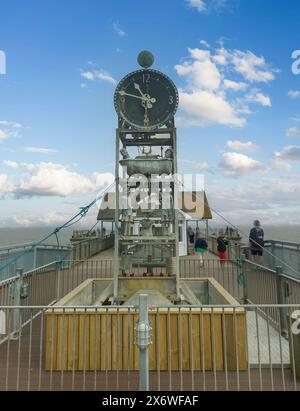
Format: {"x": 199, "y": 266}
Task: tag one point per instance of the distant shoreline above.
{"x": 19, "y": 235}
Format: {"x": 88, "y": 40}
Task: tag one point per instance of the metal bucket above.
{"x": 148, "y": 167}
{"x": 171, "y": 266}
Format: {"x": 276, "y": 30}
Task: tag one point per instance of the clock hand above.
{"x": 138, "y": 87}
{"x": 123, "y": 93}
{"x": 146, "y": 118}
{"x": 144, "y": 97}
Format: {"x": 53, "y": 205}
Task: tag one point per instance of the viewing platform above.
{"x": 271, "y": 363}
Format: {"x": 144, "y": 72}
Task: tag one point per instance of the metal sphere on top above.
{"x": 145, "y": 59}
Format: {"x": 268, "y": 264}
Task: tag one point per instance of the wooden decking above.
{"x": 22, "y": 368}
{"x": 22, "y": 361}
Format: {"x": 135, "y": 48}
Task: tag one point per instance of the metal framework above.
{"x": 145, "y": 237}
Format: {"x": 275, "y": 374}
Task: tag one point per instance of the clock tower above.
{"x": 146, "y": 212}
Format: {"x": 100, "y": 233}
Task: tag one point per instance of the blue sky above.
{"x": 239, "y": 115}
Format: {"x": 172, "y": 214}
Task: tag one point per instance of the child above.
{"x": 222, "y": 246}
{"x": 200, "y": 248}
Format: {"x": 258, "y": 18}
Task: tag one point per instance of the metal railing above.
{"x": 245, "y": 281}
{"x": 203, "y": 348}
{"x": 35, "y": 256}
{"x": 39, "y": 256}
{"x": 288, "y": 252}
{"x": 90, "y": 247}
{"x": 277, "y": 253}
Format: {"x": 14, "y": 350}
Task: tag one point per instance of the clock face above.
{"x": 146, "y": 99}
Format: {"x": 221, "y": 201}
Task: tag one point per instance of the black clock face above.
{"x": 146, "y": 99}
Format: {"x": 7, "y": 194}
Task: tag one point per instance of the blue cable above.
{"x": 82, "y": 213}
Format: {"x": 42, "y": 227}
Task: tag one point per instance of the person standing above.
{"x": 200, "y": 248}
{"x": 191, "y": 235}
{"x": 256, "y": 240}
{"x": 222, "y": 246}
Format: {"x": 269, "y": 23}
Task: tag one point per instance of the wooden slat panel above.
{"x": 242, "y": 341}
{"x": 230, "y": 344}
{"x": 83, "y": 363}
{"x": 218, "y": 346}
{"x": 174, "y": 342}
{"x": 116, "y": 347}
{"x": 162, "y": 341}
{"x": 153, "y": 363}
{"x": 51, "y": 338}
{"x": 196, "y": 342}
{"x": 185, "y": 341}
{"x": 136, "y": 361}
{"x": 105, "y": 355}
{"x": 125, "y": 343}
{"x": 207, "y": 341}
{"x": 62, "y": 342}
{"x": 73, "y": 342}
{"x": 114, "y": 342}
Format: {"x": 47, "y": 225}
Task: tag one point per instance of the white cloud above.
{"x": 202, "y": 166}
{"x": 205, "y": 43}
{"x": 234, "y": 85}
{"x": 4, "y": 135}
{"x": 259, "y": 98}
{"x": 252, "y": 67}
{"x": 207, "y": 6}
{"x": 293, "y": 132}
{"x": 40, "y": 150}
{"x": 293, "y": 94}
{"x": 10, "y": 124}
{"x": 6, "y": 185}
{"x": 51, "y": 179}
{"x": 9, "y": 129}
{"x": 289, "y": 153}
{"x": 280, "y": 164}
{"x": 275, "y": 199}
{"x": 10, "y": 164}
{"x": 202, "y": 73}
{"x": 242, "y": 146}
{"x": 118, "y": 30}
{"x": 88, "y": 75}
{"x": 221, "y": 56}
{"x": 98, "y": 75}
{"x": 103, "y": 75}
{"x": 236, "y": 164}
{"x": 205, "y": 98}
{"x": 204, "y": 107}
{"x": 198, "y": 5}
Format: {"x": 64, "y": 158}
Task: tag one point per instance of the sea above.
{"x": 16, "y": 235}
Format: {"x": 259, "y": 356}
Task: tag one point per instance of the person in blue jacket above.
{"x": 256, "y": 240}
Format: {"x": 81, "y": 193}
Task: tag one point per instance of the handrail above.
{"x": 26, "y": 274}
{"x": 282, "y": 242}
{"x": 283, "y": 274}
{"x": 28, "y": 245}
